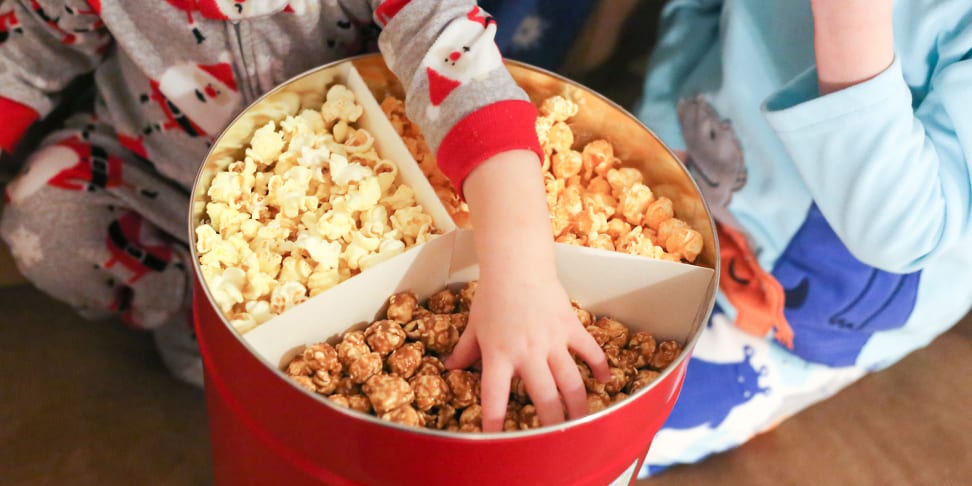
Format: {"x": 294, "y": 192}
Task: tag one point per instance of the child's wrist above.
{"x": 853, "y": 41}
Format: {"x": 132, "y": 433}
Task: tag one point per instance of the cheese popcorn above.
{"x": 310, "y": 204}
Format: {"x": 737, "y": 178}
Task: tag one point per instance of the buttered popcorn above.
{"x": 392, "y": 368}
{"x": 310, "y": 205}
{"x": 593, "y": 200}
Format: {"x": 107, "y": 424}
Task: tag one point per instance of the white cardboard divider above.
{"x": 664, "y": 298}
{"x": 357, "y": 300}
{"x": 390, "y": 146}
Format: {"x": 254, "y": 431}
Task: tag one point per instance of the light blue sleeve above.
{"x": 891, "y": 179}
{"x": 688, "y": 30}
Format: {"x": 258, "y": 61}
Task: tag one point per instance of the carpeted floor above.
{"x": 86, "y": 403}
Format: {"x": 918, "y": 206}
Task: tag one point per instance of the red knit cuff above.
{"x": 490, "y": 130}
{"x": 389, "y": 9}
{"x": 17, "y": 118}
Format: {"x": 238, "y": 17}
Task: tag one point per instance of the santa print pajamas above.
{"x": 98, "y": 216}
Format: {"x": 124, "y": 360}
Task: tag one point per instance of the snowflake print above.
{"x": 25, "y": 247}
{"x": 528, "y": 33}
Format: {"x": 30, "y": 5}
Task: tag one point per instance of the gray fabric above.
{"x": 405, "y": 42}
{"x": 106, "y": 241}
{"x": 111, "y": 241}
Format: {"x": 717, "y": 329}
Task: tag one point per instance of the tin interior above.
{"x": 598, "y": 117}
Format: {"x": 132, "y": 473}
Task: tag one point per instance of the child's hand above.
{"x": 523, "y": 325}
{"x": 521, "y": 322}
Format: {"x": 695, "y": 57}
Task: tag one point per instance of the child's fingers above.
{"x": 465, "y": 353}
{"x": 495, "y": 393}
{"x": 582, "y": 343}
{"x": 569, "y": 383}
{"x": 543, "y": 392}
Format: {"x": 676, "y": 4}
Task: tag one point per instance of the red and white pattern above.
{"x": 137, "y": 246}
{"x": 198, "y": 99}
{"x": 53, "y": 22}
{"x": 464, "y": 52}
{"x": 9, "y": 24}
{"x": 71, "y": 164}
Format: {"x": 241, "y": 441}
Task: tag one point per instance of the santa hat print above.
{"x": 440, "y": 86}
{"x": 223, "y": 72}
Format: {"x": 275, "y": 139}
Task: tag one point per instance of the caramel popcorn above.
{"x": 321, "y": 357}
{"x": 360, "y": 403}
{"x": 435, "y": 331}
{"x": 430, "y": 391}
{"x": 388, "y": 392}
{"x": 365, "y": 367}
{"x": 324, "y": 382}
{"x": 471, "y": 419}
{"x": 644, "y": 345}
{"x": 511, "y": 421}
{"x": 405, "y": 361}
{"x": 466, "y": 295}
{"x": 464, "y": 386}
{"x": 309, "y": 205}
{"x": 518, "y": 392}
{"x": 597, "y": 402}
{"x": 442, "y": 302}
{"x": 641, "y": 380}
{"x": 401, "y": 306}
{"x": 352, "y": 347}
{"x": 405, "y": 415}
{"x": 305, "y": 382}
{"x": 430, "y": 365}
{"x": 385, "y": 336}
{"x": 529, "y": 418}
{"x": 666, "y": 353}
{"x": 619, "y": 378}
{"x": 609, "y": 331}
{"x": 394, "y": 371}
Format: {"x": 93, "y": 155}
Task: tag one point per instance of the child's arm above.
{"x": 521, "y": 322}
{"x": 892, "y": 178}
{"x": 482, "y": 126}
{"x": 687, "y": 32}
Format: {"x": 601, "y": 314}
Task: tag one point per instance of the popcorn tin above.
{"x": 267, "y": 430}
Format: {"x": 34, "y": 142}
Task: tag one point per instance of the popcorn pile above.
{"x": 593, "y": 200}
{"x": 394, "y": 110}
{"x": 310, "y": 205}
{"x": 393, "y": 369}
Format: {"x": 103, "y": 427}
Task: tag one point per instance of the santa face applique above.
{"x": 198, "y": 99}
{"x": 464, "y": 52}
